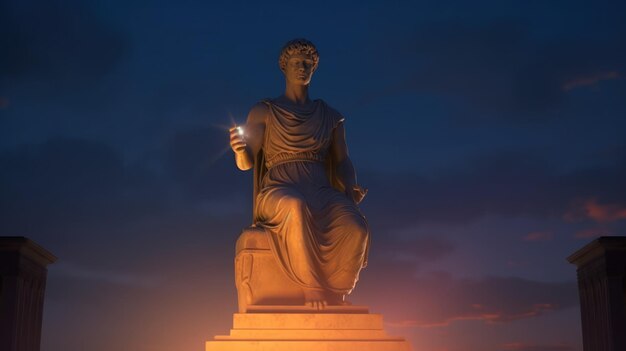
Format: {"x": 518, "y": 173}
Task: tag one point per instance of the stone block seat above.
{"x": 258, "y": 277}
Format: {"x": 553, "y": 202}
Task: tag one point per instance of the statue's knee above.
{"x": 293, "y": 201}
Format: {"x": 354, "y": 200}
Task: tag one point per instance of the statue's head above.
{"x": 298, "y": 60}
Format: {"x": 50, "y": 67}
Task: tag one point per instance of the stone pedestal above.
{"x": 602, "y": 288}
{"x": 295, "y": 328}
{"x": 22, "y": 283}
{"x": 273, "y": 317}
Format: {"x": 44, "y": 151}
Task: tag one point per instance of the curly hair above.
{"x": 297, "y": 46}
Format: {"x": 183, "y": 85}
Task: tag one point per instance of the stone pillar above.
{"x": 602, "y": 289}
{"x": 22, "y": 283}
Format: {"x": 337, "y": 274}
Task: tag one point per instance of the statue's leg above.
{"x": 294, "y": 236}
{"x": 322, "y": 252}
{"x": 304, "y": 256}
{"x": 354, "y": 240}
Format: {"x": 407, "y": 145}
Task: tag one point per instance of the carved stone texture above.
{"x": 22, "y": 284}
{"x": 258, "y": 277}
{"x": 337, "y": 328}
{"x": 602, "y": 288}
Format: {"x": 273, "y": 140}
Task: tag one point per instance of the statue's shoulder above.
{"x": 334, "y": 114}
{"x": 262, "y": 105}
{"x": 259, "y": 111}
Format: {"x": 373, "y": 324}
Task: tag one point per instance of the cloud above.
{"x": 437, "y": 299}
{"x": 56, "y": 44}
{"x": 605, "y": 212}
{"x": 600, "y": 213}
{"x": 499, "y": 67}
{"x": 68, "y": 182}
{"x": 502, "y": 184}
{"x": 487, "y": 317}
{"x": 538, "y": 236}
{"x": 88, "y": 202}
{"x": 520, "y": 346}
{"x": 591, "y": 80}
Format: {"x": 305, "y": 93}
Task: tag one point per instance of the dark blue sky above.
{"x": 490, "y": 134}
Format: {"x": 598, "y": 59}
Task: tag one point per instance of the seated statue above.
{"x": 305, "y": 212}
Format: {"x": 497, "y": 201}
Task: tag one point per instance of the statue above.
{"x": 305, "y": 189}
{"x": 301, "y": 257}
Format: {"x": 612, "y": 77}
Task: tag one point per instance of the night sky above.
{"x": 490, "y": 135}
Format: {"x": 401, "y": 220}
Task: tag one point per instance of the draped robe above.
{"x": 317, "y": 234}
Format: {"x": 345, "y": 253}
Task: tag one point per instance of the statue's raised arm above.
{"x": 247, "y": 141}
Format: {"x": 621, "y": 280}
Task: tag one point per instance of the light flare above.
{"x": 225, "y": 128}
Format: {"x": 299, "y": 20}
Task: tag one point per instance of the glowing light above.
{"x": 240, "y": 130}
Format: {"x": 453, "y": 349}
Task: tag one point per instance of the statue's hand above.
{"x": 358, "y": 193}
{"x": 237, "y": 142}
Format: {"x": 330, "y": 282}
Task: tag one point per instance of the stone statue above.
{"x": 301, "y": 257}
{"x": 305, "y": 193}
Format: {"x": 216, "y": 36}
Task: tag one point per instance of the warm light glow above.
{"x": 240, "y": 130}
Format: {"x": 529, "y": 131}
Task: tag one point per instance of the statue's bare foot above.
{"x": 315, "y": 299}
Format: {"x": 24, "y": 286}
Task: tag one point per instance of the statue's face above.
{"x": 299, "y": 69}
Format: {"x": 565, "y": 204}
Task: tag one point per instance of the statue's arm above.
{"x": 254, "y": 130}
{"x": 344, "y": 168}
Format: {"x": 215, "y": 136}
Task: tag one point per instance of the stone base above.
{"x": 339, "y": 328}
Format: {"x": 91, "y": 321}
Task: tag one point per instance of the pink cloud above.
{"x": 601, "y": 213}
{"x": 538, "y": 236}
{"x": 605, "y": 213}
{"x": 590, "y": 80}
{"x": 520, "y": 346}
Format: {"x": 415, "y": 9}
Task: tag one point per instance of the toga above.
{"x": 317, "y": 234}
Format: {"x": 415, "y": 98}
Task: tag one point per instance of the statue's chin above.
{"x": 299, "y": 81}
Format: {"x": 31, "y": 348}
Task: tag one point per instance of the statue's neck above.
{"x": 297, "y": 94}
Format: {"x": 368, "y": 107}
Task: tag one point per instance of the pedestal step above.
{"x": 305, "y": 334}
{"x": 307, "y": 321}
{"x": 305, "y": 309}
{"x": 356, "y": 331}
{"x": 320, "y": 345}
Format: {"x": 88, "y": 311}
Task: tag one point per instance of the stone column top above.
{"x": 602, "y": 246}
{"x": 26, "y": 247}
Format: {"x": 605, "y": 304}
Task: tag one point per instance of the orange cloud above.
{"x": 605, "y": 213}
{"x": 601, "y": 213}
{"x": 590, "y": 80}
{"x": 538, "y": 236}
